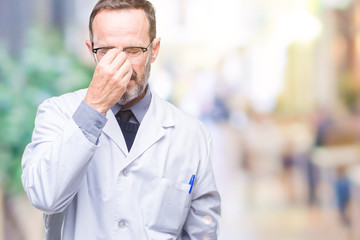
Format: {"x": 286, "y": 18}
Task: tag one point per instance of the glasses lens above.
{"x": 101, "y": 53}
{"x": 134, "y": 54}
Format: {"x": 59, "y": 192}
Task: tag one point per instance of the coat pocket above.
{"x": 167, "y": 207}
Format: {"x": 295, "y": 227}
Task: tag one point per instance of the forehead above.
{"x": 125, "y": 25}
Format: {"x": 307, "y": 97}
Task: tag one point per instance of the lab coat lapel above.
{"x": 112, "y": 129}
{"x": 152, "y": 128}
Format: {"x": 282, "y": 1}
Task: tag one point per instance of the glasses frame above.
{"x": 95, "y": 50}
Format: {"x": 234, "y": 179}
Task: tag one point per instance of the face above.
{"x": 121, "y": 29}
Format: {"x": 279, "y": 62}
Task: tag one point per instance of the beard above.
{"x": 140, "y": 83}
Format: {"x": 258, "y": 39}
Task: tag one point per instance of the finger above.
{"x": 128, "y": 75}
{"x": 118, "y": 61}
{"x": 124, "y": 72}
{"x": 110, "y": 56}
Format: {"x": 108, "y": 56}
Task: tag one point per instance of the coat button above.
{"x": 125, "y": 172}
{"x": 123, "y": 224}
{"x": 99, "y": 125}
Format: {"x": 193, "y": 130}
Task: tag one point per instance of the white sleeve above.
{"x": 55, "y": 162}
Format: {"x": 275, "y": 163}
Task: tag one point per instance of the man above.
{"x": 114, "y": 161}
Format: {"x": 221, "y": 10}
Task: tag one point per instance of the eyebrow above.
{"x": 104, "y": 47}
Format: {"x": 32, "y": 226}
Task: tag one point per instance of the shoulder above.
{"x": 67, "y": 99}
{"x": 76, "y": 96}
{"x": 65, "y": 104}
{"x": 183, "y": 122}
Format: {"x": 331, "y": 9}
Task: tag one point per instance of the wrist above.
{"x": 97, "y": 106}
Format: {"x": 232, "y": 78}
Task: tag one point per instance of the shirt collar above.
{"x": 140, "y": 108}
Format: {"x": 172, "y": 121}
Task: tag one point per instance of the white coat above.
{"x": 102, "y": 191}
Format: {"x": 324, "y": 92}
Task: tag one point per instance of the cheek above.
{"x": 138, "y": 68}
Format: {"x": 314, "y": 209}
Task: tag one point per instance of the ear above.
{"x": 88, "y": 44}
{"x": 155, "y": 49}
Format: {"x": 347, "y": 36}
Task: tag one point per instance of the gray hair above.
{"x": 126, "y": 4}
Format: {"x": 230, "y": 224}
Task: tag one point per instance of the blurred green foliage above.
{"x": 44, "y": 69}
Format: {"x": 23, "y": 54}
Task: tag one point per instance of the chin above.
{"x": 132, "y": 92}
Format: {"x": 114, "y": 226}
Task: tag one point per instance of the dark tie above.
{"x": 128, "y": 128}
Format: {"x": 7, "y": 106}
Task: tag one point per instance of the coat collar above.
{"x": 153, "y": 127}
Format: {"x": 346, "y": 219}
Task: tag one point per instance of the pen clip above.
{"x": 191, "y": 183}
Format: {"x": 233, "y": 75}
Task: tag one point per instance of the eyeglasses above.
{"x": 135, "y": 54}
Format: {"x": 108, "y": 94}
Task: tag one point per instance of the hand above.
{"x": 111, "y": 77}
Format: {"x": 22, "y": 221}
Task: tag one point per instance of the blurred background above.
{"x": 276, "y": 82}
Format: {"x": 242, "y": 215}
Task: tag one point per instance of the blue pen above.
{"x": 191, "y": 183}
